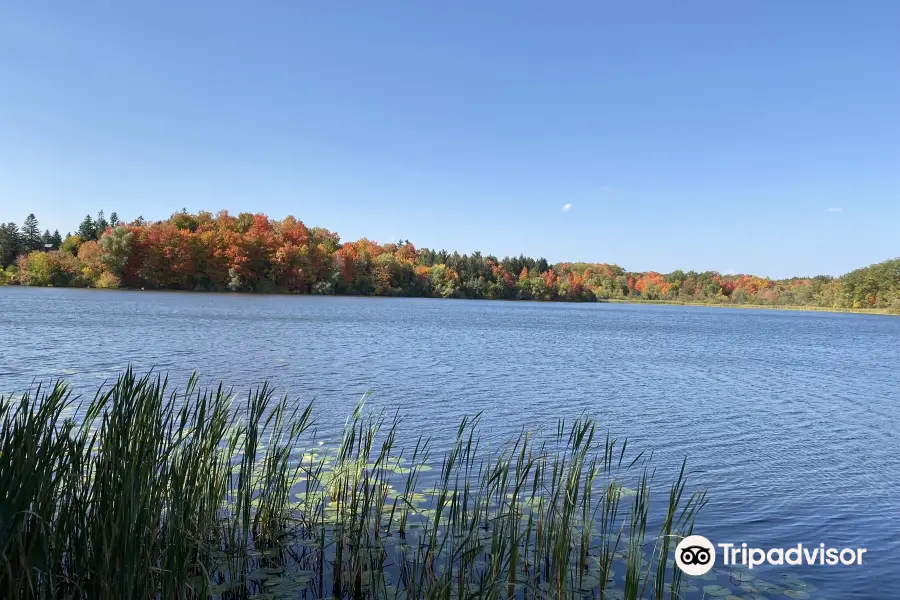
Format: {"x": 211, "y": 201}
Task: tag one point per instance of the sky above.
{"x": 755, "y": 137}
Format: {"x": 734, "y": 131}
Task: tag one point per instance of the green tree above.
{"x": 31, "y": 234}
{"x": 114, "y": 219}
{"x": 444, "y": 281}
{"x": 9, "y": 275}
{"x": 115, "y": 249}
{"x": 100, "y": 225}
{"x": 87, "y": 231}
{"x": 185, "y": 220}
{"x": 56, "y": 239}
{"x": 49, "y": 268}
{"x": 739, "y": 295}
{"x": 10, "y": 243}
{"x": 71, "y": 244}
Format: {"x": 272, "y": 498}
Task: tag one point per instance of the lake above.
{"x": 789, "y": 419}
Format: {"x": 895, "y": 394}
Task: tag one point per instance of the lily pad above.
{"x": 718, "y": 591}
{"x": 742, "y": 576}
{"x": 767, "y": 587}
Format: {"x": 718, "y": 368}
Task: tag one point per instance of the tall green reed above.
{"x": 155, "y": 492}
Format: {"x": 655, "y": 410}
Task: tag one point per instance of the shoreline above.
{"x": 789, "y": 307}
{"x": 634, "y": 301}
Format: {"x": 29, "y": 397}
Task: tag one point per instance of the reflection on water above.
{"x": 789, "y": 419}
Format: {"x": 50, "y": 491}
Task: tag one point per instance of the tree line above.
{"x": 254, "y": 253}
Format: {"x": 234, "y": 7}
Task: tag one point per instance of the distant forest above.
{"x": 253, "y": 253}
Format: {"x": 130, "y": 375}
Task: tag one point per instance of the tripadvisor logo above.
{"x": 695, "y": 555}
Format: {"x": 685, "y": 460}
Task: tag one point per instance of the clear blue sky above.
{"x": 757, "y": 137}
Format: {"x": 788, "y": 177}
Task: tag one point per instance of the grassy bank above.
{"x": 794, "y": 307}
{"x": 151, "y": 493}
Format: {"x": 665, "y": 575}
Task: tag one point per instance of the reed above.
{"x": 145, "y": 491}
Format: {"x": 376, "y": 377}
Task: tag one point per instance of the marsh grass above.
{"x": 193, "y": 493}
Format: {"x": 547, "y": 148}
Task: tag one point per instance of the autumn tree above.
{"x": 251, "y": 252}
{"x": 71, "y": 244}
{"x": 50, "y": 269}
{"x": 90, "y": 257}
{"x": 169, "y": 258}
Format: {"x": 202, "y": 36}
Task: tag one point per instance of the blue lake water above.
{"x": 789, "y": 419}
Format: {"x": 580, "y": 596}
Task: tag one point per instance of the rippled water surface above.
{"x": 789, "y": 419}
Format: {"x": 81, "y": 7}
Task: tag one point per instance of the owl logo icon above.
{"x": 695, "y": 555}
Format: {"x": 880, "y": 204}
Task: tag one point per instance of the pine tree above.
{"x": 10, "y": 243}
{"x": 114, "y": 219}
{"x": 100, "y": 225}
{"x": 31, "y": 234}
{"x": 87, "y": 230}
{"x": 56, "y": 239}
{"x": 46, "y": 240}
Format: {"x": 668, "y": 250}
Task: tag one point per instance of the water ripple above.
{"x": 789, "y": 419}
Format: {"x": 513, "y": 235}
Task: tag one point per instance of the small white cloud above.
{"x": 567, "y": 206}
{"x": 605, "y": 188}
{"x": 835, "y": 209}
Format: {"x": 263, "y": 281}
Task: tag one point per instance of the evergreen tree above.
{"x": 56, "y": 239}
{"x": 31, "y": 234}
{"x": 114, "y": 219}
{"x": 46, "y": 240}
{"x": 10, "y": 243}
{"x": 100, "y": 224}
{"x": 87, "y": 230}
